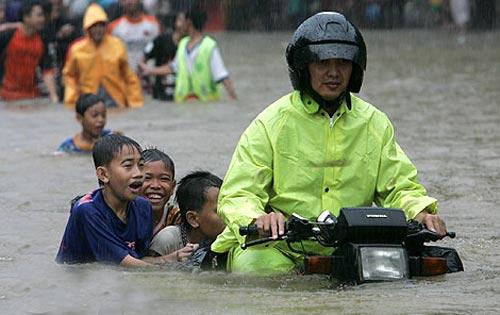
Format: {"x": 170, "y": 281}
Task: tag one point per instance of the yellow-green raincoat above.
{"x": 295, "y": 158}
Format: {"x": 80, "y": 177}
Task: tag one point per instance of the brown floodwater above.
{"x": 442, "y": 96}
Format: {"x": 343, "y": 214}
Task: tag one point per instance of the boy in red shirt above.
{"x": 23, "y": 51}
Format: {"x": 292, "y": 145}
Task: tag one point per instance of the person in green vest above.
{"x": 198, "y": 64}
{"x": 318, "y": 148}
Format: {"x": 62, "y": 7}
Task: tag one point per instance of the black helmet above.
{"x": 323, "y": 36}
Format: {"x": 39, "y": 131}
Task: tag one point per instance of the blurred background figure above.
{"x": 198, "y": 64}
{"x": 297, "y": 12}
{"x": 460, "y": 12}
{"x": 58, "y": 33}
{"x": 136, "y": 29}
{"x": 24, "y": 53}
{"x": 98, "y": 64}
{"x": 9, "y": 15}
{"x": 162, "y": 51}
{"x": 76, "y": 9}
{"x": 484, "y": 14}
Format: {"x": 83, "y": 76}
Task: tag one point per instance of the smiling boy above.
{"x": 112, "y": 224}
{"x": 158, "y": 187}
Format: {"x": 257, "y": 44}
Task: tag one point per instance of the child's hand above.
{"x": 183, "y": 253}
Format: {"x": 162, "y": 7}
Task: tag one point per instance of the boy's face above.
{"x": 36, "y": 18}
{"x": 210, "y": 224}
{"x": 93, "y": 120}
{"x": 158, "y": 184}
{"x": 123, "y": 177}
{"x": 181, "y": 23}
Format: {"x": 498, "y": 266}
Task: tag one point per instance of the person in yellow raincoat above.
{"x": 317, "y": 148}
{"x": 97, "y": 63}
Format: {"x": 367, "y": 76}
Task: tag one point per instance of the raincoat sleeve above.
{"x": 397, "y": 185}
{"x": 70, "y": 77}
{"x": 245, "y": 191}
{"x": 134, "y": 89}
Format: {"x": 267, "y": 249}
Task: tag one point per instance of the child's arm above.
{"x": 130, "y": 261}
{"x": 180, "y": 255}
{"x": 159, "y": 70}
{"x": 230, "y": 88}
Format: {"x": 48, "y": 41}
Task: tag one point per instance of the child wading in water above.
{"x": 113, "y": 224}
{"x": 197, "y": 198}
{"x": 91, "y": 114}
{"x": 158, "y": 187}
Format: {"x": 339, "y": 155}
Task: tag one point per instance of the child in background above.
{"x": 158, "y": 187}
{"x": 23, "y": 52}
{"x": 91, "y": 114}
{"x": 198, "y": 64}
{"x": 196, "y": 195}
{"x": 112, "y": 224}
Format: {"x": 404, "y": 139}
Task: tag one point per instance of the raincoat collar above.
{"x": 312, "y": 107}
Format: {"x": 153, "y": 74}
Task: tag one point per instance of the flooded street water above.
{"x": 443, "y": 98}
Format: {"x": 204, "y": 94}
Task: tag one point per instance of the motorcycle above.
{"x": 371, "y": 244}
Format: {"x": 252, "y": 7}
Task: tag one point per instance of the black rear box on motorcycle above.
{"x": 371, "y": 225}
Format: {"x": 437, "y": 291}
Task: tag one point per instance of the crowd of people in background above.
{"x": 121, "y": 49}
{"x": 287, "y": 14}
{"x": 116, "y": 50}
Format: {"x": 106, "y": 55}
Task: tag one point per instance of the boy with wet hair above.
{"x": 158, "y": 187}
{"x": 91, "y": 114}
{"x": 112, "y": 224}
{"x": 196, "y": 195}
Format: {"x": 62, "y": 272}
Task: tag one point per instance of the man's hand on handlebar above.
{"x": 433, "y": 222}
{"x": 271, "y": 224}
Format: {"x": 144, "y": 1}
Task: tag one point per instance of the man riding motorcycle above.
{"x": 317, "y": 148}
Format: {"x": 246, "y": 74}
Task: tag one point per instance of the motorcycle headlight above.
{"x": 382, "y": 263}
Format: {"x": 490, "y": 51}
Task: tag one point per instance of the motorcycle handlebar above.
{"x": 249, "y": 230}
{"x": 252, "y": 230}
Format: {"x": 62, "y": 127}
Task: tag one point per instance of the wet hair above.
{"x": 27, "y": 7}
{"x": 192, "y": 190}
{"x": 107, "y": 147}
{"x": 197, "y": 16}
{"x": 153, "y": 155}
{"x": 85, "y": 101}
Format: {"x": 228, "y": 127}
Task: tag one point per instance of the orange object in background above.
{"x": 215, "y": 16}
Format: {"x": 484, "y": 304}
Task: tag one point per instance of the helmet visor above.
{"x": 323, "y": 51}
{"x": 334, "y": 50}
